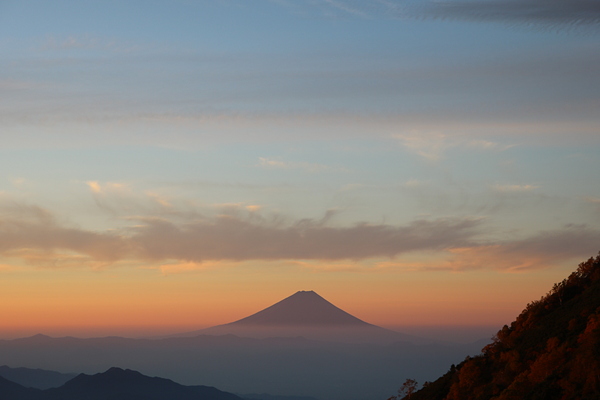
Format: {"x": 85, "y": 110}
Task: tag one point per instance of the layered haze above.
{"x": 302, "y": 345}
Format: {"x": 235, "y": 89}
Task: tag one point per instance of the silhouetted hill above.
{"x": 306, "y": 314}
{"x": 35, "y": 378}
{"x": 550, "y": 352}
{"x": 114, "y": 384}
{"x": 13, "y": 391}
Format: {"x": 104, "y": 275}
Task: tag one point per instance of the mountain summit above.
{"x": 304, "y": 308}
{"x": 306, "y": 314}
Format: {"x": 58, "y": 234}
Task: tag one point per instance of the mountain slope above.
{"x": 306, "y": 314}
{"x": 550, "y": 352}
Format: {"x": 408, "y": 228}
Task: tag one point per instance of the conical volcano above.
{"x": 306, "y": 314}
{"x": 304, "y": 308}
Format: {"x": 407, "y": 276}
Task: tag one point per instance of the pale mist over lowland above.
{"x": 299, "y": 199}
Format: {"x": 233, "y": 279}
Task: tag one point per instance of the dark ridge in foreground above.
{"x": 114, "y": 384}
{"x": 550, "y": 352}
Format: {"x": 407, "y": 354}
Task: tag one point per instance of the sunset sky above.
{"x": 172, "y": 165}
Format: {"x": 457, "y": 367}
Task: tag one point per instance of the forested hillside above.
{"x": 551, "y": 351}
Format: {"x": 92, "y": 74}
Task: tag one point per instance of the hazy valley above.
{"x": 301, "y": 346}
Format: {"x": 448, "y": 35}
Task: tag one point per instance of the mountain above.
{"x": 306, "y": 314}
{"x": 114, "y": 384}
{"x": 550, "y": 352}
{"x": 35, "y": 378}
{"x": 304, "y": 308}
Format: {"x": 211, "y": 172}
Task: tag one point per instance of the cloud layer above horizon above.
{"x": 236, "y": 233}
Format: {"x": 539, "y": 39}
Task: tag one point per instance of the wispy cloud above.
{"x": 414, "y": 183}
{"x": 593, "y": 200}
{"x": 7, "y": 268}
{"x": 187, "y": 267}
{"x": 33, "y": 231}
{"x": 86, "y": 42}
{"x": 34, "y": 236}
{"x": 19, "y": 183}
{"x": 432, "y": 146}
{"x": 332, "y": 8}
{"x": 308, "y": 167}
{"x": 345, "y": 7}
{"x": 231, "y": 238}
{"x": 543, "y": 250}
{"x": 514, "y": 188}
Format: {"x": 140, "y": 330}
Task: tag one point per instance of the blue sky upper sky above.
{"x": 376, "y": 136}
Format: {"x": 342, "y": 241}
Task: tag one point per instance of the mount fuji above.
{"x": 306, "y": 314}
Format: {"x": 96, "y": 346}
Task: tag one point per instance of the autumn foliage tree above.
{"x": 408, "y": 388}
{"x": 550, "y": 352}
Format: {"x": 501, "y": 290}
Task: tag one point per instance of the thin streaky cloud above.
{"x": 538, "y": 12}
{"x": 308, "y": 167}
{"x": 432, "y": 146}
{"x": 514, "y": 188}
{"x": 544, "y": 12}
{"x": 346, "y": 8}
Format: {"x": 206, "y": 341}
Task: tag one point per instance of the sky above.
{"x": 173, "y": 165}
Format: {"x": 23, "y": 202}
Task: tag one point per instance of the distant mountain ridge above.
{"x": 307, "y": 314}
{"x": 35, "y": 378}
{"x": 114, "y": 384}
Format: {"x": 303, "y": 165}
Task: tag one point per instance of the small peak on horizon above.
{"x": 38, "y": 336}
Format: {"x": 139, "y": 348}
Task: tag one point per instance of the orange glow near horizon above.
{"x": 144, "y": 302}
